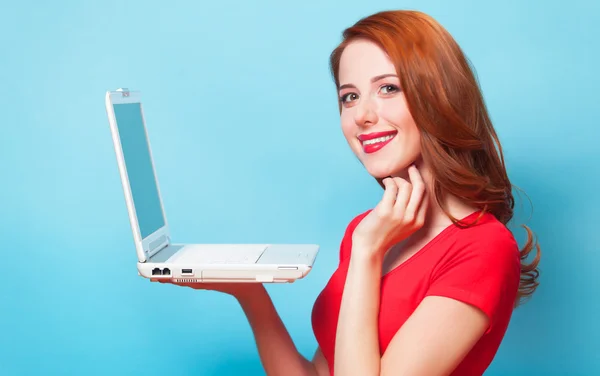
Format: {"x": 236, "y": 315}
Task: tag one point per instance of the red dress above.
{"x": 478, "y": 265}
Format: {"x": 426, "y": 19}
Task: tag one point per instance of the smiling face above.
{"x": 375, "y": 118}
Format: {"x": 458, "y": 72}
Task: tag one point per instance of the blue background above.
{"x": 244, "y": 127}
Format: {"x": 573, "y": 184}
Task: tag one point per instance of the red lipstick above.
{"x": 372, "y": 142}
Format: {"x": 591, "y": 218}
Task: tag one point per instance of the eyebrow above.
{"x": 374, "y": 79}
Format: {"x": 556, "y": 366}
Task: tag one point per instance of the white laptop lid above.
{"x": 138, "y": 176}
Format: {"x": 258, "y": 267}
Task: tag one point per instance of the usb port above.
{"x": 187, "y": 271}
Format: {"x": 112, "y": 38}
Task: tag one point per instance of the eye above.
{"x": 388, "y": 89}
{"x": 348, "y": 97}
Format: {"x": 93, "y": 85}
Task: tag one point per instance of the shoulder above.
{"x": 480, "y": 266}
{"x": 487, "y": 239}
{"x": 485, "y": 246}
{"x": 346, "y": 243}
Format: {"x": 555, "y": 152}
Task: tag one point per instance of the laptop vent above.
{"x": 188, "y": 280}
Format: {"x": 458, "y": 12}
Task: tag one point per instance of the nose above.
{"x": 366, "y": 113}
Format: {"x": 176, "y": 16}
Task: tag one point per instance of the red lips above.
{"x": 370, "y": 136}
{"x": 373, "y": 147}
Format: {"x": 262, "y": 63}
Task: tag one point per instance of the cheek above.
{"x": 396, "y": 113}
{"x": 348, "y": 125}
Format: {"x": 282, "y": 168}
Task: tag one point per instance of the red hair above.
{"x": 458, "y": 140}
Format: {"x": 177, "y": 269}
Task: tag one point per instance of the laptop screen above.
{"x": 136, "y": 152}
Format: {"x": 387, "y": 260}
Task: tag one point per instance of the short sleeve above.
{"x": 346, "y": 243}
{"x": 484, "y": 273}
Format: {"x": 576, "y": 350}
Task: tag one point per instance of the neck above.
{"x": 436, "y": 218}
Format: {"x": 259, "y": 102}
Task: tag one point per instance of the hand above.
{"x": 238, "y": 290}
{"x": 400, "y": 213}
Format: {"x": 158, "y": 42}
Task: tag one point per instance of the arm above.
{"x": 464, "y": 300}
{"x": 433, "y": 341}
{"x": 357, "y": 340}
{"x": 277, "y": 351}
{"x": 442, "y": 330}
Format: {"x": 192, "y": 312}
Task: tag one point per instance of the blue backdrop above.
{"x": 243, "y": 121}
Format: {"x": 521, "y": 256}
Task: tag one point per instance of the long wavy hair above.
{"x": 458, "y": 140}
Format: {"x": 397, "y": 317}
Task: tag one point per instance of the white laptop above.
{"x": 158, "y": 257}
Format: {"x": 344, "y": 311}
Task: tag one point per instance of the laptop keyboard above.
{"x": 220, "y": 253}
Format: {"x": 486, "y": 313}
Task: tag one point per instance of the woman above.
{"x": 428, "y": 279}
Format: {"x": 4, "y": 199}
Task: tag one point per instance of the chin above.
{"x": 389, "y": 161}
{"x": 382, "y": 168}
{"x": 380, "y": 171}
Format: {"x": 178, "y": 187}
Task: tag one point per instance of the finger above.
{"x": 404, "y": 191}
{"x": 414, "y": 175}
{"x": 421, "y": 215}
{"x": 389, "y": 195}
{"x": 169, "y": 281}
{"x": 417, "y": 194}
{"x": 195, "y": 286}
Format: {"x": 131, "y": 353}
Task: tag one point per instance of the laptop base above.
{"x": 258, "y": 263}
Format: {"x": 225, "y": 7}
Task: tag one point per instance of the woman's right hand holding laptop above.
{"x": 277, "y": 351}
{"x": 240, "y": 291}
